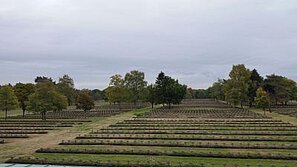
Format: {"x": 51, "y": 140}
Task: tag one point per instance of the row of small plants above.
{"x": 122, "y": 106}
{"x": 69, "y": 115}
{"x": 14, "y": 136}
{"x": 208, "y": 125}
{"x": 23, "y": 132}
{"x": 261, "y": 133}
{"x": 205, "y": 128}
{"x": 193, "y": 121}
{"x": 182, "y": 144}
{"x": 38, "y": 124}
{"x": 109, "y": 163}
{"x": 38, "y": 121}
{"x": 173, "y": 153}
{"x": 26, "y": 128}
{"x": 204, "y": 125}
{"x": 35, "y": 125}
{"x": 188, "y": 137}
{"x": 201, "y": 103}
{"x": 232, "y": 113}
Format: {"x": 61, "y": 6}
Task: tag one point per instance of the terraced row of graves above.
{"x": 30, "y": 125}
{"x": 182, "y": 136}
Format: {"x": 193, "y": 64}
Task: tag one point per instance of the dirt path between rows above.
{"x": 26, "y": 147}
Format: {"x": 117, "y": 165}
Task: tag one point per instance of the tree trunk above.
{"x": 23, "y": 113}
{"x": 169, "y": 105}
{"x": 120, "y": 106}
{"x": 152, "y": 105}
{"x": 43, "y": 116}
{"x": 5, "y": 113}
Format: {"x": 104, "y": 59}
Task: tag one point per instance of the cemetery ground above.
{"x": 195, "y": 133}
{"x": 25, "y": 147}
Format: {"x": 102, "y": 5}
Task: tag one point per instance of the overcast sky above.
{"x": 196, "y": 41}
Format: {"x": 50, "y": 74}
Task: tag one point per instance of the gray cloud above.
{"x": 194, "y": 41}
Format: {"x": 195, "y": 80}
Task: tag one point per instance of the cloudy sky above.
{"x": 196, "y": 41}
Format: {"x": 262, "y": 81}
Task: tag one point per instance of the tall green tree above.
{"x": 46, "y": 98}
{"x": 216, "y": 91}
{"x": 151, "y": 94}
{"x": 236, "y": 88}
{"x": 116, "y": 92}
{"x": 97, "y": 94}
{"x": 85, "y": 101}
{"x": 135, "y": 84}
{"x": 255, "y": 82}
{"x": 23, "y": 91}
{"x": 66, "y": 87}
{"x": 168, "y": 90}
{"x": 280, "y": 89}
{"x": 201, "y": 94}
{"x": 8, "y": 99}
{"x": 39, "y": 79}
{"x": 262, "y": 99}
{"x": 189, "y": 93}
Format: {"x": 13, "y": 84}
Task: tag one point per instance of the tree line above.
{"x": 48, "y": 95}
{"x": 133, "y": 88}
{"x": 248, "y": 87}
{"x": 43, "y": 96}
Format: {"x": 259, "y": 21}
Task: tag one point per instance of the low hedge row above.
{"x": 180, "y": 144}
{"x": 174, "y": 153}
{"x": 148, "y": 163}
{"x": 204, "y": 128}
{"x": 284, "y": 125}
{"x": 13, "y": 136}
{"x": 23, "y": 132}
{"x": 260, "y": 133}
{"x": 190, "y": 138}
